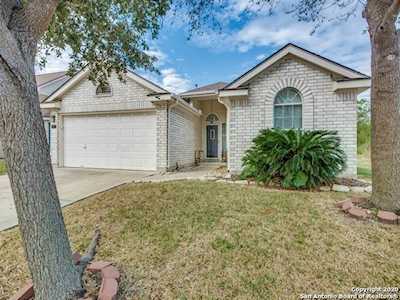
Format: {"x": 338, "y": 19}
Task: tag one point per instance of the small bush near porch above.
{"x": 209, "y": 240}
{"x": 299, "y": 159}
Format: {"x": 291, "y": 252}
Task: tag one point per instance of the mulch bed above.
{"x": 351, "y": 182}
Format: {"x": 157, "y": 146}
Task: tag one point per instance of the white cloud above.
{"x": 345, "y": 42}
{"x": 174, "y": 82}
{"x": 55, "y": 64}
{"x": 235, "y": 9}
{"x": 159, "y": 55}
{"x": 261, "y": 57}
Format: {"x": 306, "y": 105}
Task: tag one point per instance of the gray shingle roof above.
{"x": 206, "y": 88}
{"x": 42, "y": 79}
{"x": 49, "y": 82}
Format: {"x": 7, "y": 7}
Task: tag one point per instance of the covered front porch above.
{"x": 213, "y": 131}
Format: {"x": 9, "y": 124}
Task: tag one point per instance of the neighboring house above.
{"x": 47, "y": 84}
{"x": 140, "y": 126}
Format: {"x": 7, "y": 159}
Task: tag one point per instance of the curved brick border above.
{"x": 110, "y": 277}
{"x": 25, "y": 293}
{"x": 350, "y": 206}
{"x": 109, "y": 281}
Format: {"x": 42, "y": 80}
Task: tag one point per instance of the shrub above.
{"x": 300, "y": 159}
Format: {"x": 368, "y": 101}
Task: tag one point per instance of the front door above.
{"x": 212, "y": 141}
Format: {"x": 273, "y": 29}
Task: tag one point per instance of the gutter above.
{"x": 169, "y": 98}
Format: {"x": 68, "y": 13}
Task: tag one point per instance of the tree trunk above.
{"x": 30, "y": 171}
{"x": 385, "y": 103}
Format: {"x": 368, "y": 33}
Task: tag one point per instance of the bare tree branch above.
{"x": 90, "y": 252}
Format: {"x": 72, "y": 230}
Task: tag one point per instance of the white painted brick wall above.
{"x": 81, "y": 98}
{"x": 54, "y": 139}
{"x": 162, "y": 131}
{"x": 125, "y": 96}
{"x": 184, "y": 137}
{"x": 322, "y": 108}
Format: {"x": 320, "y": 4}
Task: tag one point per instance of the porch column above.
{"x": 227, "y": 103}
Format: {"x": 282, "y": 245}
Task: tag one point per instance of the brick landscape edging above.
{"x": 350, "y": 207}
{"x": 25, "y": 293}
{"x": 109, "y": 281}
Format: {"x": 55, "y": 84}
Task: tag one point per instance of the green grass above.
{"x": 364, "y": 166}
{"x": 208, "y": 240}
{"x": 3, "y": 169}
{"x": 364, "y": 173}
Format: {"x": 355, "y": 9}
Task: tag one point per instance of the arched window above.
{"x": 103, "y": 89}
{"x": 288, "y": 109}
{"x": 212, "y": 118}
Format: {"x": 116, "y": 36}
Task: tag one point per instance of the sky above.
{"x": 247, "y": 36}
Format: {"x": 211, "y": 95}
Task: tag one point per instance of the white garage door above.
{"x": 114, "y": 141}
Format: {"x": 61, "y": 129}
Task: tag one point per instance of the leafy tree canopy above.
{"x": 106, "y": 34}
{"x": 113, "y": 35}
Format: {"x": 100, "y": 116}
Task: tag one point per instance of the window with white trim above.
{"x": 212, "y": 119}
{"x": 288, "y": 109}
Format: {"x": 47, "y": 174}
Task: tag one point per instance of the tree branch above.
{"x": 34, "y": 18}
{"x": 10, "y": 50}
{"x": 90, "y": 252}
{"x": 391, "y": 14}
{"x": 8, "y": 7}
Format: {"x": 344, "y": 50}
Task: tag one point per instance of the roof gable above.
{"x": 83, "y": 74}
{"x": 206, "y": 88}
{"x": 299, "y": 52}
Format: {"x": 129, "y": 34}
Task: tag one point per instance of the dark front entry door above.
{"x": 212, "y": 140}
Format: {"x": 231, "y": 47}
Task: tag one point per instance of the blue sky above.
{"x": 246, "y": 39}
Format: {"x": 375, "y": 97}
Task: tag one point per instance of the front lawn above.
{"x": 3, "y": 169}
{"x": 364, "y": 166}
{"x": 192, "y": 240}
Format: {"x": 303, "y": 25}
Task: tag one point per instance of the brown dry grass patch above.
{"x": 191, "y": 240}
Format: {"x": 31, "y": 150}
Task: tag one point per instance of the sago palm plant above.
{"x": 301, "y": 159}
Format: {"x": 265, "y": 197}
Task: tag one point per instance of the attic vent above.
{"x": 103, "y": 90}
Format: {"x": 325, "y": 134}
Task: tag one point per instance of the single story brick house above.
{"x": 139, "y": 125}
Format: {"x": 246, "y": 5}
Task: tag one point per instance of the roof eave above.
{"x": 358, "y": 84}
{"x": 199, "y": 94}
{"x": 84, "y": 72}
{"x": 301, "y": 53}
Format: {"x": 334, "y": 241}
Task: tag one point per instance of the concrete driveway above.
{"x": 73, "y": 185}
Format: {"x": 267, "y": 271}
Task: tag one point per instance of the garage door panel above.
{"x": 123, "y": 141}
